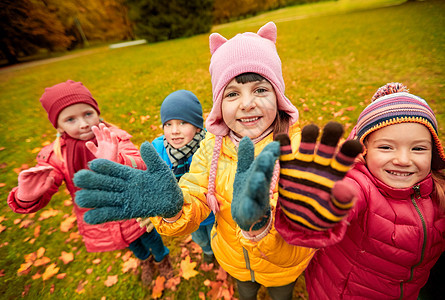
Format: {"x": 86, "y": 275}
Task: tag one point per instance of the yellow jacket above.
{"x": 271, "y": 261}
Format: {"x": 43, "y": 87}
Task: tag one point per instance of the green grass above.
{"x": 334, "y": 54}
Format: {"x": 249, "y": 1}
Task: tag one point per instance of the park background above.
{"x": 334, "y": 54}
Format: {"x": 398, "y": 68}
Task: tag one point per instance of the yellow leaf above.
{"x": 50, "y": 271}
{"x": 187, "y": 268}
{"x": 131, "y": 263}
{"x": 24, "y": 267}
{"x": 48, "y": 214}
{"x": 35, "y": 150}
{"x": 40, "y": 252}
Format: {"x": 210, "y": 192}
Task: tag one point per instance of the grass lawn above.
{"x": 334, "y": 55}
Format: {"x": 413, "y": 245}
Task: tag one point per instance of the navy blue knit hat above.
{"x": 182, "y": 105}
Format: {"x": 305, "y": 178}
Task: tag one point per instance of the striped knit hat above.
{"x": 393, "y": 104}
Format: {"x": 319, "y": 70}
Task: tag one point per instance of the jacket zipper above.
{"x": 415, "y": 196}
{"x": 246, "y": 258}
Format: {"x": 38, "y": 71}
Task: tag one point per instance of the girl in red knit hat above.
{"x": 81, "y": 137}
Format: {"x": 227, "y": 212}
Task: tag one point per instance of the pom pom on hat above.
{"x": 62, "y": 95}
{"x": 392, "y": 104}
{"x": 182, "y": 105}
{"x": 245, "y": 53}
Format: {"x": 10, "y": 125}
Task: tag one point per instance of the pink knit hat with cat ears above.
{"x": 245, "y": 53}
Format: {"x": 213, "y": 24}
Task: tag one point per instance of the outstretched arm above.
{"x": 251, "y": 197}
{"x": 118, "y": 192}
{"x": 312, "y": 194}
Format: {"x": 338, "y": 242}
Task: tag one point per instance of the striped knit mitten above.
{"x": 311, "y": 193}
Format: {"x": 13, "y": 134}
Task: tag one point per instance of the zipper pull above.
{"x": 416, "y": 189}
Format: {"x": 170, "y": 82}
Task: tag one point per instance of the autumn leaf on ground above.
{"x": 221, "y": 274}
{"x": 2, "y": 228}
{"x": 131, "y": 263}
{"x": 36, "y": 276}
{"x": 68, "y": 223}
{"x": 172, "y": 283}
{"x": 202, "y": 296}
{"x": 2, "y": 272}
{"x": 42, "y": 261}
{"x": 127, "y": 255}
{"x": 187, "y": 268}
{"x": 66, "y": 257}
{"x": 196, "y": 248}
{"x": 26, "y": 223}
{"x": 215, "y": 290}
{"x": 61, "y": 275}
{"x": 50, "y": 271}
{"x": 35, "y": 150}
{"x": 2, "y": 184}
{"x": 185, "y": 252}
{"x": 206, "y": 267}
{"x": 40, "y": 252}
{"x": 48, "y": 214}
{"x": 96, "y": 261}
{"x": 24, "y": 267}
{"x": 37, "y": 231}
{"x": 80, "y": 287}
{"x": 158, "y": 288}
{"x": 111, "y": 280}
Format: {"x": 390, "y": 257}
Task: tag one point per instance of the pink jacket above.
{"x": 97, "y": 238}
{"x": 394, "y": 238}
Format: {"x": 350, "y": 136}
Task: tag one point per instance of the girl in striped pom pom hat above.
{"x": 395, "y": 233}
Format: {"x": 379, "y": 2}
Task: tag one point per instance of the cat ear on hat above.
{"x": 268, "y": 31}
{"x": 215, "y": 41}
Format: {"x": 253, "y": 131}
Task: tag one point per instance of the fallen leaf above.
{"x": 206, "y": 267}
{"x": 96, "y": 261}
{"x": 127, "y": 255}
{"x": 158, "y": 288}
{"x": 17, "y": 221}
{"x": 2, "y": 272}
{"x": 172, "y": 283}
{"x": 187, "y": 268}
{"x": 35, "y": 150}
{"x": 221, "y": 274}
{"x": 36, "y": 276}
{"x": 130, "y": 264}
{"x": 37, "y": 231}
{"x": 24, "y": 267}
{"x": 215, "y": 290}
{"x": 66, "y": 257}
{"x": 42, "y": 261}
{"x": 40, "y": 252}
{"x": 67, "y": 203}
{"x": 132, "y": 119}
{"x": 202, "y": 296}
{"x": 51, "y": 289}
{"x": 2, "y": 184}
{"x": 46, "y": 143}
{"x": 61, "y": 276}
{"x": 26, "y": 290}
{"x": 68, "y": 223}
{"x": 48, "y": 214}
{"x": 2, "y": 228}
{"x": 26, "y": 223}
{"x": 50, "y": 271}
{"x": 111, "y": 280}
{"x": 80, "y": 287}
{"x": 89, "y": 271}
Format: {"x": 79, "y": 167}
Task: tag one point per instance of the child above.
{"x": 181, "y": 116}
{"x": 391, "y": 238}
{"x": 81, "y": 137}
{"x": 249, "y": 101}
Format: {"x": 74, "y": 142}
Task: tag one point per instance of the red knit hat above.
{"x": 64, "y": 94}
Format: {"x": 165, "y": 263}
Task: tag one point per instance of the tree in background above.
{"x": 26, "y": 26}
{"x": 164, "y": 20}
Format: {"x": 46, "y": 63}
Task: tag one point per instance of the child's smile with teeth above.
{"x": 395, "y": 148}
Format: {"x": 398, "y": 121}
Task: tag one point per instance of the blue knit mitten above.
{"x": 250, "y": 203}
{"x": 117, "y": 192}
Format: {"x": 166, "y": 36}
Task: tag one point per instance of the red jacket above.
{"x": 393, "y": 239}
{"x": 97, "y": 238}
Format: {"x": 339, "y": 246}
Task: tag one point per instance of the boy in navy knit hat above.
{"x": 181, "y": 116}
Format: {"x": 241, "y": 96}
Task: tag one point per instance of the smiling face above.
{"x": 179, "y": 133}
{"x": 249, "y": 109}
{"x": 76, "y": 120}
{"x": 399, "y": 155}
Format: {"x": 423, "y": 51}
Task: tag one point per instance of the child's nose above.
{"x": 247, "y": 102}
{"x": 83, "y": 123}
{"x": 402, "y": 157}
